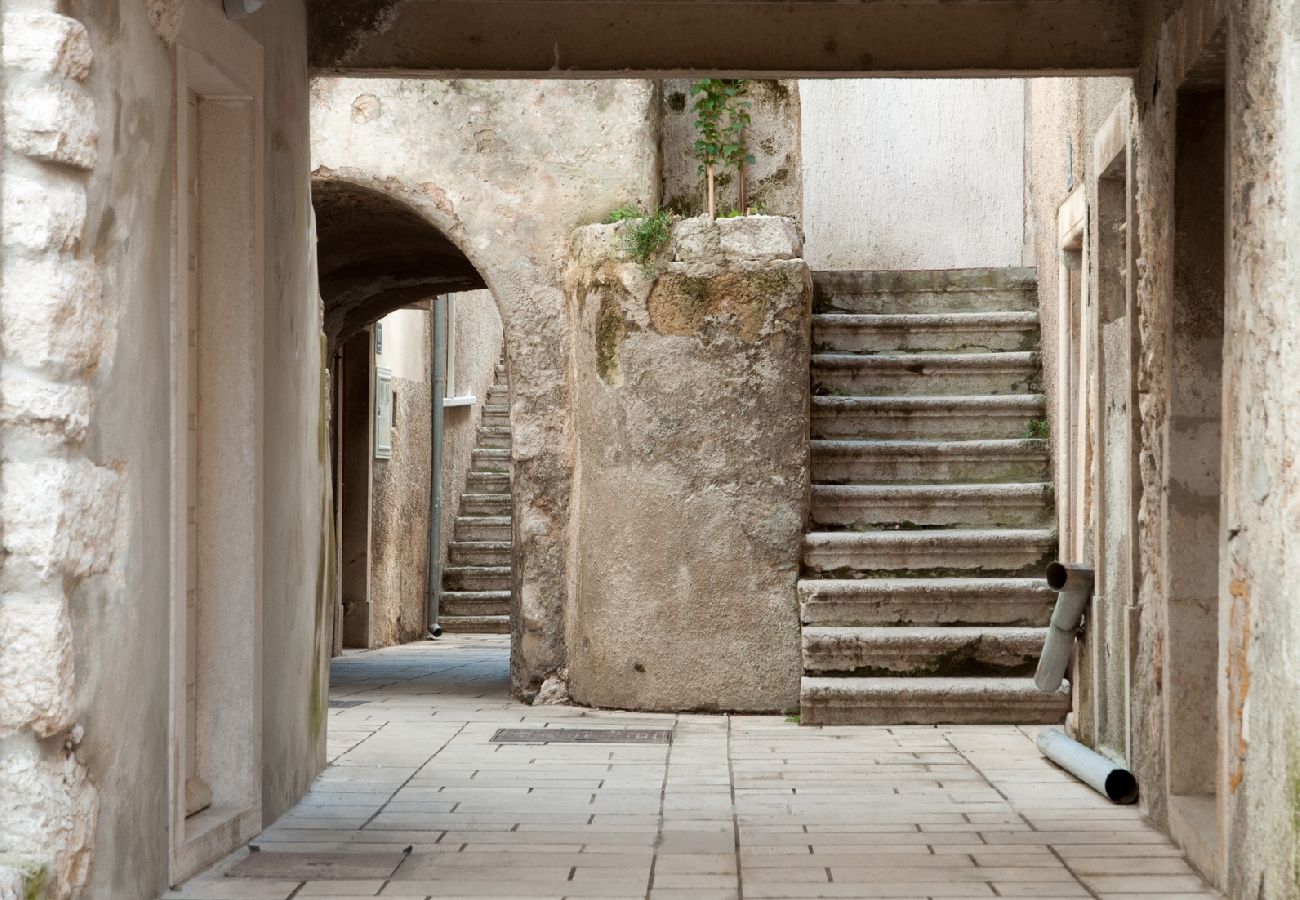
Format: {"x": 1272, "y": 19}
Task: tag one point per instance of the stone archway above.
{"x": 385, "y": 244}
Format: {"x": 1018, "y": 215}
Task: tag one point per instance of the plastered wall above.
{"x": 88, "y": 202}
{"x": 913, "y": 174}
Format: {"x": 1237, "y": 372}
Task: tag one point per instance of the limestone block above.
{"x": 52, "y": 123}
{"x": 60, "y": 516}
{"x": 51, "y": 315}
{"x": 49, "y": 809}
{"x": 165, "y": 17}
{"x": 43, "y": 216}
{"x": 694, "y": 239}
{"x": 46, "y": 43}
{"x": 36, "y": 677}
{"x": 48, "y": 409}
{"x": 760, "y": 237}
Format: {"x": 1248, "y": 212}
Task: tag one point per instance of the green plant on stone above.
{"x": 721, "y": 117}
{"x": 646, "y": 235}
{"x": 625, "y": 212}
{"x": 1037, "y": 429}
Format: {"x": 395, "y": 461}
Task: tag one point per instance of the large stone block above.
{"x": 49, "y": 808}
{"x": 46, "y": 43}
{"x": 60, "y": 516}
{"x": 52, "y": 315}
{"x": 52, "y": 123}
{"x": 692, "y": 404}
{"x": 51, "y": 411}
{"x": 36, "y": 678}
{"x": 43, "y": 215}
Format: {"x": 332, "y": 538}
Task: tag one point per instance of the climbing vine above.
{"x": 721, "y": 119}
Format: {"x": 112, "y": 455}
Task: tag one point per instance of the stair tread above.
{"x": 971, "y": 402}
{"x": 483, "y": 520}
{"x": 990, "y": 278}
{"x": 1009, "y": 687}
{"x": 1035, "y": 446}
{"x": 933, "y": 535}
{"x": 936, "y": 586}
{"x": 462, "y": 569}
{"x": 1011, "y": 319}
{"x": 941, "y": 633}
{"x": 475, "y": 595}
{"x": 1025, "y": 490}
{"x": 1010, "y": 359}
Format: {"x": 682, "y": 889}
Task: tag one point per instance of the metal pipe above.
{"x": 241, "y": 9}
{"x": 437, "y": 389}
{"x": 1099, "y": 773}
{"x": 1073, "y": 585}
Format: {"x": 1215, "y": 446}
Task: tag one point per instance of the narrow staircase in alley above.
{"x": 922, "y": 597}
{"x": 476, "y": 580}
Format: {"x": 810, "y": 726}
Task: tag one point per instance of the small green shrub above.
{"x": 646, "y": 235}
{"x": 623, "y": 213}
{"x": 793, "y": 718}
{"x": 1037, "y": 429}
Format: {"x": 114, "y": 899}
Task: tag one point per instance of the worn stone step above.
{"x": 929, "y": 462}
{"x": 921, "y": 652}
{"x": 953, "y": 332}
{"x": 925, "y": 374}
{"x": 483, "y": 528}
{"x": 925, "y": 290}
{"x": 925, "y": 601}
{"x": 928, "y": 701}
{"x": 479, "y": 553}
{"x": 475, "y": 624}
{"x": 488, "y": 482}
{"x": 932, "y": 553}
{"x": 486, "y": 504}
{"x": 869, "y": 506}
{"x": 494, "y": 436}
{"x": 474, "y": 603}
{"x": 489, "y": 459}
{"x": 476, "y": 578}
{"x": 948, "y": 417}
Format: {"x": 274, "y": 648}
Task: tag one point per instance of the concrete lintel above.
{"x": 671, "y": 38}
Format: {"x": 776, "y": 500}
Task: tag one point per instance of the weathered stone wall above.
{"x": 913, "y": 174}
{"x": 506, "y": 170}
{"x": 1258, "y": 744}
{"x": 399, "y": 517}
{"x": 774, "y": 183}
{"x": 692, "y": 415}
{"x": 85, "y": 494}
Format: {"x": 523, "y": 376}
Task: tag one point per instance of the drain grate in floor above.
{"x": 346, "y": 704}
{"x": 337, "y": 866}
{"x": 583, "y": 736}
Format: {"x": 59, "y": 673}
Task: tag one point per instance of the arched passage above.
{"x": 420, "y": 422}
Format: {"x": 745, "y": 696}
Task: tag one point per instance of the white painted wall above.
{"x": 404, "y": 353}
{"x": 913, "y": 174}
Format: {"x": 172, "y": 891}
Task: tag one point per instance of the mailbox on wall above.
{"x": 383, "y": 413}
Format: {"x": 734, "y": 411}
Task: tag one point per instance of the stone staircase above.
{"x": 923, "y": 599}
{"x": 476, "y": 581}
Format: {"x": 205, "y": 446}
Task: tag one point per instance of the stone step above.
{"x": 483, "y": 528}
{"x": 486, "y": 504}
{"x": 474, "y": 603}
{"x": 925, "y": 291}
{"x": 925, "y": 374}
{"x": 929, "y": 462}
{"x": 1020, "y": 552}
{"x": 479, "y": 553}
{"x": 950, "y": 417}
{"x": 921, "y": 652}
{"x": 928, "y": 701}
{"x": 962, "y": 332}
{"x": 475, "y": 624}
{"x": 925, "y": 601}
{"x": 868, "y": 506}
{"x": 488, "y": 482}
{"x": 494, "y": 436}
{"x": 476, "y": 578}
{"x": 489, "y": 459}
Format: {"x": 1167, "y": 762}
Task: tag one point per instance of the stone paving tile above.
{"x": 737, "y": 806}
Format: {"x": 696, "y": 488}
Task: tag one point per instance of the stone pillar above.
{"x": 691, "y": 389}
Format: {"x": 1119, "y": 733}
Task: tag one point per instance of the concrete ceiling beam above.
{"x": 768, "y": 38}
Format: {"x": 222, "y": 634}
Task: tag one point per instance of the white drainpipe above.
{"x": 241, "y": 9}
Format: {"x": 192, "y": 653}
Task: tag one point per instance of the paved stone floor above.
{"x": 417, "y": 802}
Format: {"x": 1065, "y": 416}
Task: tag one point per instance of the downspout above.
{"x": 1073, "y": 585}
{"x": 438, "y": 389}
{"x": 241, "y": 9}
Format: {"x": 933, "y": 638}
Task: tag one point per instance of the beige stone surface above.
{"x": 752, "y": 804}
{"x": 692, "y": 414}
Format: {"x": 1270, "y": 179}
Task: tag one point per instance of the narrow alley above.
{"x": 419, "y": 801}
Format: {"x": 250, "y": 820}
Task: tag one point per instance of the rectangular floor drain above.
{"x": 583, "y": 736}
{"x": 346, "y": 704}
